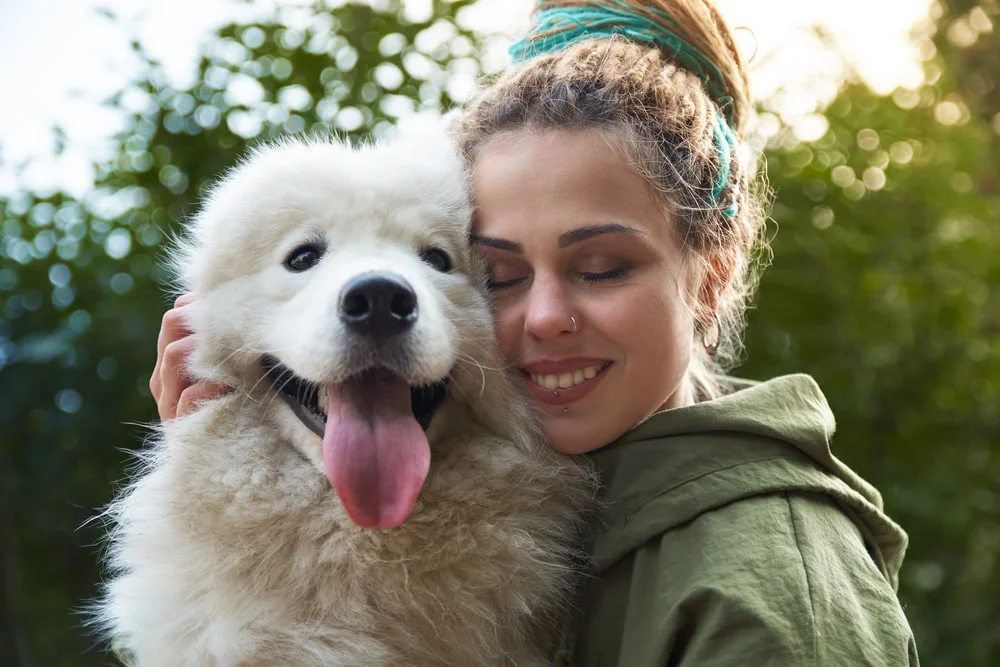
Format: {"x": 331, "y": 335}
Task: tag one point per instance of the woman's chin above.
{"x": 571, "y": 439}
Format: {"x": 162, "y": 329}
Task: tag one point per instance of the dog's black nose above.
{"x": 379, "y": 304}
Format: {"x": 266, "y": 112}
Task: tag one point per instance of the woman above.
{"x": 615, "y": 215}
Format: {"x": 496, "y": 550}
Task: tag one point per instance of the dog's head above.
{"x": 340, "y": 277}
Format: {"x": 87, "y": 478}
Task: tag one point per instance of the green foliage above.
{"x": 881, "y": 287}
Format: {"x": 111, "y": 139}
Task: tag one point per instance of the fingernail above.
{"x": 184, "y": 299}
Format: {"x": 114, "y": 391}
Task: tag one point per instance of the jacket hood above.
{"x": 771, "y": 437}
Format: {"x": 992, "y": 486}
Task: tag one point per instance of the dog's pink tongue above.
{"x": 375, "y": 453}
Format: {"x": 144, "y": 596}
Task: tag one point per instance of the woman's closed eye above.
{"x": 504, "y": 276}
{"x": 501, "y": 277}
{"x": 604, "y": 276}
{"x": 597, "y": 270}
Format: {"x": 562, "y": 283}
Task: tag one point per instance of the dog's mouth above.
{"x": 375, "y": 452}
{"x": 308, "y": 400}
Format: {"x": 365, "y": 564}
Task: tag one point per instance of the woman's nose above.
{"x": 549, "y": 310}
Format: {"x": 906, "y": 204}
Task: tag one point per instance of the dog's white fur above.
{"x": 230, "y": 547}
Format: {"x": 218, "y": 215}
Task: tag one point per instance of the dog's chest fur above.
{"x": 235, "y": 551}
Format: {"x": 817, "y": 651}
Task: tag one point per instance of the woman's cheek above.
{"x": 505, "y": 323}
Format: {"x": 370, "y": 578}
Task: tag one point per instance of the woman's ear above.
{"x": 713, "y": 283}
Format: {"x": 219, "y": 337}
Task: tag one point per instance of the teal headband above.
{"x": 579, "y": 23}
{"x": 570, "y": 25}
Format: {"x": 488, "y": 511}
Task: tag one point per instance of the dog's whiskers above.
{"x": 284, "y": 378}
{"x": 220, "y": 368}
{"x": 465, "y": 358}
{"x": 470, "y": 359}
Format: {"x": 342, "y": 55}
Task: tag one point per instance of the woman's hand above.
{"x": 172, "y": 390}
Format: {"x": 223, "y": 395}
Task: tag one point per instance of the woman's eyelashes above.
{"x": 505, "y": 277}
{"x": 497, "y": 283}
{"x": 601, "y": 268}
{"x": 502, "y": 273}
{"x": 605, "y": 276}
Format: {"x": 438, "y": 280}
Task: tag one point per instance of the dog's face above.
{"x": 342, "y": 277}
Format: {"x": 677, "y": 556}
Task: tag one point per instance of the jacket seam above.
{"x": 805, "y": 574}
{"x": 663, "y": 492}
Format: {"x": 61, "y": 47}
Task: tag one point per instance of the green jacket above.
{"x": 732, "y": 536}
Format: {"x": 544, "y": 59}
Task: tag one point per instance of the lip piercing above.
{"x": 565, "y": 409}
{"x": 555, "y": 393}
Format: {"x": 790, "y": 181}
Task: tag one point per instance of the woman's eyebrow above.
{"x": 502, "y": 244}
{"x": 583, "y": 233}
{"x": 565, "y": 239}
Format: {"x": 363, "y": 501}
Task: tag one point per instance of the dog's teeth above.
{"x": 321, "y": 399}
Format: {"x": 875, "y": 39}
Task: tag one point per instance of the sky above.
{"x": 60, "y": 58}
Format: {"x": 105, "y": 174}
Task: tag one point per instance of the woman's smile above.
{"x": 564, "y": 382}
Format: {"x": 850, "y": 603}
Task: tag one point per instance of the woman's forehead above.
{"x": 552, "y": 182}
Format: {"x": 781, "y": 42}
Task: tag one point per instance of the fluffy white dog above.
{"x": 375, "y": 492}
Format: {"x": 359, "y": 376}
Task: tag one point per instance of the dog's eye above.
{"x": 303, "y": 257}
{"x": 437, "y": 258}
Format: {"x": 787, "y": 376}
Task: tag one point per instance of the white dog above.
{"x": 375, "y": 492}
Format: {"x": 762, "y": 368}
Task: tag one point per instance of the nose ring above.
{"x": 573, "y": 320}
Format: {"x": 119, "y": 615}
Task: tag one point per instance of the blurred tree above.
{"x": 966, "y": 44}
{"x": 882, "y": 288}
{"x": 887, "y": 259}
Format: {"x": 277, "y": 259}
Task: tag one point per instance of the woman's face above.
{"x": 569, "y": 231}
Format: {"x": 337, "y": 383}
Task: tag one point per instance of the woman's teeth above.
{"x": 566, "y": 380}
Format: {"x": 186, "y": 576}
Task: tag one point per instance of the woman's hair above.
{"x": 682, "y": 133}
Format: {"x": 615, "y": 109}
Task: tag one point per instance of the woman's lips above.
{"x": 582, "y": 374}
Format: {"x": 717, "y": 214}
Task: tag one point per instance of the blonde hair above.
{"x": 665, "y": 122}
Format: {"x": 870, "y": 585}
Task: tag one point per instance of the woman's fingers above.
{"x": 194, "y": 395}
{"x": 184, "y": 299}
{"x": 172, "y": 389}
{"x": 173, "y": 327}
{"x": 172, "y": 377}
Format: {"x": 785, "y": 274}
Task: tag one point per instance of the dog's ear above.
{"x": 426, "y": 131}
{"x": 427, "y": 145}
{"x": 452, "y": 121}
